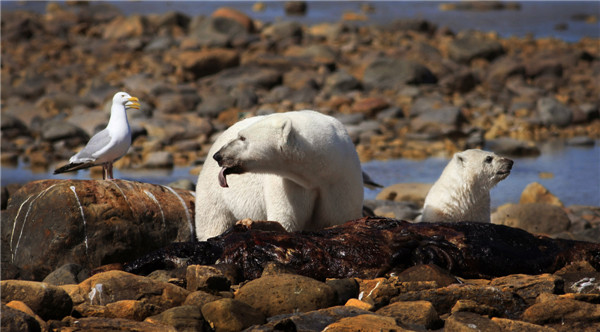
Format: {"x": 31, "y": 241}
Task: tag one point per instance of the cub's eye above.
{"x": 489, "y": 159}
{"x": 242, "y": 138}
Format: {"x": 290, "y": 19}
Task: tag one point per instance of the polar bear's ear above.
{"x": 286, "y": 130}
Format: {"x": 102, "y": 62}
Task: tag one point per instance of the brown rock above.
{"x": 183, "y": 318}
{"x": 379, "y": 291}
{"x": 530, "y": 287}
{"x": 200, "y": 298}
{"x": 412, "y": 192}
{"x": 195, "y": 64}
{"x": 365, "y": 323}
{"x": 47, "y": 301}
{"x": 443, "y": 299}
{"x": 536, "y": 193}
{"x": 286, "y": 293}
{"x": 474, "y": 307}
{"x": 17, "y": 320}
{"x": 231, "y": 315}
{"x": 131, "y": 309}
{"x": 370, "y": 106}
{"x": 563, "y": 311}
{"x": 113, "y": 286}
{"x": 235, "y": 15}
{"x": 19, "y": 305}
{"x": 125, "y": 27}
{"x": 428, "y": 272}
{"x": 519, "y": 326}
{"x": 534, "y": 217}
{"x": 468, "y": 321}
{"x": 115, "y": 324}
{"x": 202, "y": 277}
{"x": 359, "y": 304}
{"x": 413, "y": 313}
{"x": 49, "y": 223}
{"x": 578, "y": 278}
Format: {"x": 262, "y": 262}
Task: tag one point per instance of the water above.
{"x": 537, "y": 18}
{"x": 576, "y": 174}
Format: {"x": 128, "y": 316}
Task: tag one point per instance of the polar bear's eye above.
{"x": 242, "y": 138}
{"x": 489, "y": 159}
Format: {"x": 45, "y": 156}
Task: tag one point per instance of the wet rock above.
{"x": 536, "y": 193}
{"x": 552, "y": 112}
{"x": 91, "y": 223}
{"x": 386, "y": 73}
{"x": 530, "y": 287}
{"x": 538, "y": 218}
{"x": 443, "y": 299}
{"x": 316, "y": 320}
{"x": 413, "y": 313}
{"x": 182, "y": 318}
{"x": 231, "y": 315}
{"x": 67, "y": 274}
{"x": 286, "y": 293}
{"x": 471, "y": 45}
{"x": 411, "y": 192}
{"x": 47, "y": 301}
{"x": 12, "y": 127}
{"x": 366, "y": 322}
{"x": 112, "y": 286}
{"x": 391, "y": 209}
{"x": 16, "y": 320}
{"x": 474, "y": 307}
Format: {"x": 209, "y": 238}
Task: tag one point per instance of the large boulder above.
{"x": 49, "y": 223}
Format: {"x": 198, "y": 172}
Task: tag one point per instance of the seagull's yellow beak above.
{"x": 133, "y": 103}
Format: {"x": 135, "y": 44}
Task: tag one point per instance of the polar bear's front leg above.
{"x": 288, "y": 203}
{"x": 212, "y": 216}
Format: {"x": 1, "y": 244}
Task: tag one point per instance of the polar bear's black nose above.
{"x": 217, "y": 156}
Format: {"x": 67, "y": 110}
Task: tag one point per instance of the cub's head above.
{"x": 482, "y": 168}
{"x": 257, "y": 148}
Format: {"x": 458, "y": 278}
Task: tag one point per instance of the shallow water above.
{"x": 538, "y": 18}
{"x": 575, "y": 170}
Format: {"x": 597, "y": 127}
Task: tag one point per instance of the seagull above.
{"x": 108, "y": 145}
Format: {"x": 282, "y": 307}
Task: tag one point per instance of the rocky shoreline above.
{"x": 409, "y": 89}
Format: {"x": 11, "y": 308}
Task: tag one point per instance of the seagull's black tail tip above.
{"x": 71, "y": 167}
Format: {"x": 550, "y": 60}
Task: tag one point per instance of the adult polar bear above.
{"x": 298, "y": 168}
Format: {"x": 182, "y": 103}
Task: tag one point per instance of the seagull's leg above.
{"x": 104, "y": 171}
{"x": 110, "y": 171}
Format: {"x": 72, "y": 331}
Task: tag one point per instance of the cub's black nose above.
{"x": 217, "y": 156}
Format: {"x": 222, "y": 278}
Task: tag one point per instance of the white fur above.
{"x": 462, "y": 193}
{"x": 301, "y": 169}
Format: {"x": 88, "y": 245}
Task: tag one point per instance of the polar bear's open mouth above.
{"x": 226, "y": 171}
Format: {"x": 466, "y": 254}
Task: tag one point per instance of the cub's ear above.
{"x": 460, "y": 158}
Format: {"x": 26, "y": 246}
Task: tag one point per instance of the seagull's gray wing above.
{"x": 96, "y": 143}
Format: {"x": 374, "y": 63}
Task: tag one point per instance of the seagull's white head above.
{"x": 123, "y": 98}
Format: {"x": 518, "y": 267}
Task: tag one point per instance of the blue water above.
{"x": 537, "y": 18}
{"x": 576, "y": 173}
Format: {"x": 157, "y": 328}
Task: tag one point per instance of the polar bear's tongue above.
{"x": 222, "y": 178}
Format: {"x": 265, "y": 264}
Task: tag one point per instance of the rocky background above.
{"x": 409, "y": 89}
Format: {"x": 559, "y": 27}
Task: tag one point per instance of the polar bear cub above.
{"x": 298, "y": 168}
{"x": 462, "y": 193}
